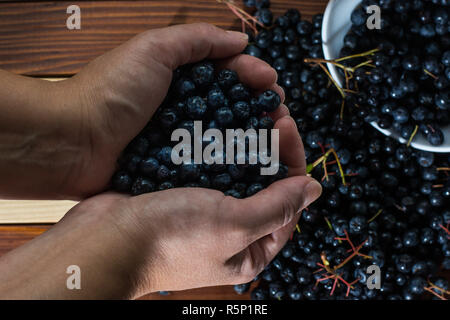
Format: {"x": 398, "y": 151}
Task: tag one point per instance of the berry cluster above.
{"x": 383, "y": 202}
{"x": 406, "y": 86}
{"x": 217, "y": 99}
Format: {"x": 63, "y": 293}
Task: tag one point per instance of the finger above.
{"x": 281, "y": 112}
{"x": 178, "y": 45}
{"x": 275, "y": 87}
{"x": 272, "y": 243}
{"x": 291, "y": 148}
{"x": 252, "y": 71}
{"x": 272, "y": 208}
{"x": 258, "y": 254}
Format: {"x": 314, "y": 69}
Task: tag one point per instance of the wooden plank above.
{"x": 34, "y": 39}
{"x": 12, "y": 237}
{"x": 33, "y": 211}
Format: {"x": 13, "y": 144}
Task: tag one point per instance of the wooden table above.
{"x": 34, "y": 41}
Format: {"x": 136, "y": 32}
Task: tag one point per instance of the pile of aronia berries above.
{"x": 391, "y": 206}
{"x": 407, "y": 85}
{"x": 199, "y": 92}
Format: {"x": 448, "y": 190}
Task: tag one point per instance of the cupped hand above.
{"x": 195, "y": 237}
{"x": 183, "y": 238}
{"x": 118, "y": 92}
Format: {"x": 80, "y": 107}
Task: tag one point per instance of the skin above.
{"x": 61, "y": 141}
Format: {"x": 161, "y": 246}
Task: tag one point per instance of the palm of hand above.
{"x": 122, "y": 89}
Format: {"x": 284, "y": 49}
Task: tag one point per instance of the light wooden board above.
{"x": 33, "y": 211}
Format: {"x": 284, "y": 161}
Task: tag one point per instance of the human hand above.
{"x": 168, "y": 240}
{"x": 119, "y": 92}
{"x": 195, "y": 237}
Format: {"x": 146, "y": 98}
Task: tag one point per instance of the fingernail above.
{"x": 237, "y": 34}
{"x": 312, "y": 191}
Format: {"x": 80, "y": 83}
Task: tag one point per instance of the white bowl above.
{"x": 336, "y": 24}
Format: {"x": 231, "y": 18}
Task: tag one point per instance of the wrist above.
{"x": 144, "y": 257}
{"x": 37, "y": 149}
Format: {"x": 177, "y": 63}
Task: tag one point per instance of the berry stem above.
{"x": 446, "y": 230}
{"x": 435, "y": 293}
{"x": 323, "y": 160}
{"x": 341, "y": 114}
{"x": 246, "y": 18}
{"x": 358, "y": 55}
{"x": 376, "y": 215}
{"x": 430, "y": 74}
{"x": 413, "y": 134}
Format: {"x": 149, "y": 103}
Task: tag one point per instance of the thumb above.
{"x": 181, "y": 44}
{"x": 276, "y": 206}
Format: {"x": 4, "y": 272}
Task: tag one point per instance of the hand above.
{"x": 120, "y": 91}
{"x": 205, "y": 238}
{"x": 169, "y": 240}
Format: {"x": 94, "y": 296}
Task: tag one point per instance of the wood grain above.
{"x": 12, "y": 237}
{"x": 34, "y": 39}
{"x": 32, "y": 211}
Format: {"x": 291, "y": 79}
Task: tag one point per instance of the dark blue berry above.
{"x": 184, "y": 87}
{"x": 249, "y": 3}
{"x": 253, "y": 50}
{"x": 233, "y": 193}
{"x": 357, "y": 224}
{"x": 436, "y": 138}
{"x": 216, "y": 99}
{"x": 239, "y": 92}
{"x": 224, "y": 116}
{"x": 164, "y": 156}
{"x": 252, "y": 123}
{"x": 266, "y": 123}
{"x": 133, "y": 163}
{"x": 141, "y": 186}
{"x": 149, "y": 166}
{"x": 196, "y": 108}
{"x": 139, "y": 146}
{"x": 189, "y": 172}
{"x": 221, "y": 182}
{"x": 122, "y": 181}
{"x": 304, "y": 28}
{"x": 269, "y": 101}
{"x": 163, "y": 173}
{"x": 168, "y": 118}
{"x": 227, "y": 78}
{"x": 253, "y": 189}
{"x": 166, "y": 185}
{"x": 265, "y": 16}
{"x": 241, "y": 288}
{"x": 236, "y": 171}
{"x": 358, "y": 17}
{"x": 241, "y": 110}
{"x": 203, "y": 74}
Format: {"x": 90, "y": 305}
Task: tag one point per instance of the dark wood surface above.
{"x": 34, "y": 41}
